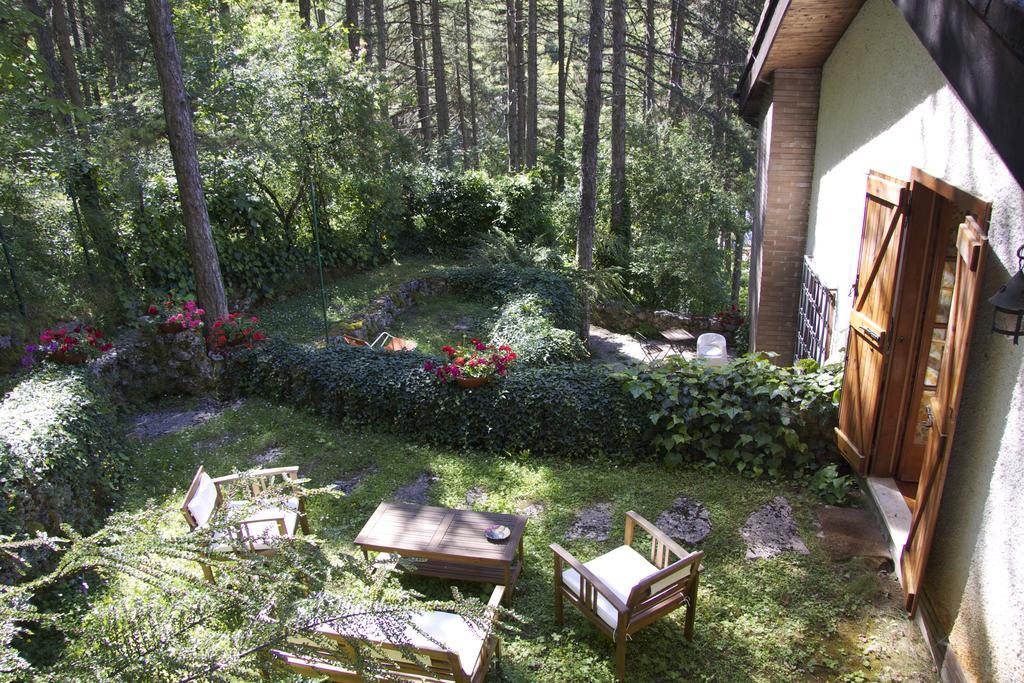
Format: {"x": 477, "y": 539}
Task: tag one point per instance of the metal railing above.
{"x": 816, "y": 315}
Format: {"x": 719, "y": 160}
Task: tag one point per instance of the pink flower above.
{"x": 254, "y": 319}
{"x": 200, "y": 311}
{"x": 481, "y": 347}
{"x": 428, "y": 366}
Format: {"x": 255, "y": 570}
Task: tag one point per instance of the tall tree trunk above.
{"x": 440, "y": 80}
{"x": 76, "y": 38}
{"x": 382, "y": 35}
{"x": 720, "y": 74}
{"x": 90, "y": 53}
{"x": 305, "y": 7}
{"x": 321, "y": 18}
{"x": 521, "y": 84}
{"x": 531, "y": 93}
{"x": 620, "y": 203}
{"x": 650, "y": 40}
{"x": 463, "y": 129}
{"x": 12, "y": 273}
{"x": 512, "y": 92}
{"x": 562, "y": 83}
{"x": 62, "y": 34}
{"x": 675, "y": 78}
{"x": 367, "y": 32}
{"x": 181, "y": 135}
{"x": 588, "y": 156}
{"x": 472, "y": 81}
{"x": 737, "y": 268}
{"x": 116, "y": 40}
{"x": 352, "y": 26}
{"x": 48, "y": 57}
{"x": 422, "y": 86}
{"x": 86, "y": 193}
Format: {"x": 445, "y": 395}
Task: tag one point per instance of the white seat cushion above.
{"x": 203, "y": 500}
{"x": 453, "y": 632}
{"x": 620, "y": 570}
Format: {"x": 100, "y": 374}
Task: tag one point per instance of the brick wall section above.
{"x": 787, "y": 196}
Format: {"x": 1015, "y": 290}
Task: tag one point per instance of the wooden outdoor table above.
{"x": 451, "y": 542}
{"x": 677, "y": 336}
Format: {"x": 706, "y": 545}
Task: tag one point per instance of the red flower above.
{"x": 106, "y": 347}
{"x": 449, "y": 350}
{"x": 511, "y": 356}
{"x": 98, "y": 334}
{"x": 247, "y": 331}
{"x": 219, "y": 324}
{"x": 460, "y": 361}
{"x": 152, "y": 310}
{"x": 504, "y": 347}
{"x": 259, "y": 336}
{"x": 221, "y": 340}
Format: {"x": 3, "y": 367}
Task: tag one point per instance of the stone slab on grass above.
{"x": 852, "y": 532}
{"x": 160, "y": 423}
{"x": 593, "y": 524}
{"x": 347, "y": 486}
{"x": 267, "y": 456}
{"x": 771, "y": 531}
{"x": 418, "y": 490}
{"x": 687, "y": 521}
{"x": 476, "y": 495}
{"x": 530, "y": 510}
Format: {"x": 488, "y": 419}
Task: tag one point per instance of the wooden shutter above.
{"x": 867, "y": 347}
{"x": 944, "y": 406}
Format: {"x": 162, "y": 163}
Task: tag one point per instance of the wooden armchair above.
{"x": 622, "y": 591}
{"x": 207, "y": 494}
{"x": 463, "y": 656}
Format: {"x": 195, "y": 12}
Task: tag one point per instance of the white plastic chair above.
{"x": 712, "y": 348}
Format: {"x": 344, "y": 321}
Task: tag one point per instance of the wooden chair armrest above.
{"x": 654, "y": 531}
{"x": 591, "y": 578}
{"x": 496, "y": 598}
{"x": 693, "y": 559}
{"x": 281, "y": 526}
{"x": 252, "y": 474}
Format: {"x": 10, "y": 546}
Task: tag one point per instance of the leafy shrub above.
{"x": 575, "y": 411}
{"x": 446, "y": 211}
{"x": 524, "y": 208}
{"x": 524, "y": 324}
{"x": 60, "y": 455}
{"x": 506, "y": 282}
{"x": 540, "y": 313}
{"x": 750, "y": 416}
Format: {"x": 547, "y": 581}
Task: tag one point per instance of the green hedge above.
{"x": 575, "y": 411}
{"x": 61, "y": 457}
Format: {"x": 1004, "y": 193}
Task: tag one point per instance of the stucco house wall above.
{"x": 885, "y": 105}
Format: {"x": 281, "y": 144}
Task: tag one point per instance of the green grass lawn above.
{"x": 298, "y": 317}
{"x": 790, "y": 618}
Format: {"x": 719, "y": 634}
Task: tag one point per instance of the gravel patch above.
{"x": 266, "y": 457}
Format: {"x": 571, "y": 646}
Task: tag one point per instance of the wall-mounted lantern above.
{"x": 1008, "y": 317}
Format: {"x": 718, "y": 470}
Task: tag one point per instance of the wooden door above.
{"x": 945, "y": 404}
{"x": 882, "y": 241}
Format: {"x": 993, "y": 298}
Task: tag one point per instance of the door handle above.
{"x": 871, "y": 333}
{"x": 929, "y": 419}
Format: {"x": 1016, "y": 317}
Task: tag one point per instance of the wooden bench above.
{"x": 461, "y": 654}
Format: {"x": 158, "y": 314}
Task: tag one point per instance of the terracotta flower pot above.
{"x": 65, "y": 358}
{"x": 471, "y": 382}
{"x": 170, "y": 327}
